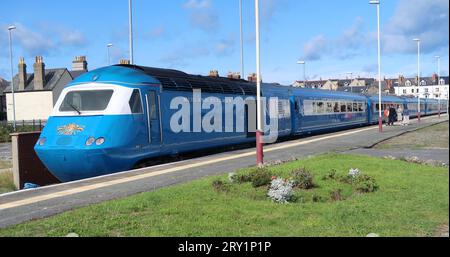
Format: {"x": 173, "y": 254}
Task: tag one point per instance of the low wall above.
{"x": 27, "y": 168}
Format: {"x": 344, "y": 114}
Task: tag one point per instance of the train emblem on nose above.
{"x": 70, "y": 130}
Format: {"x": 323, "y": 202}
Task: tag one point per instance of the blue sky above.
{"x": 334, "y": 37}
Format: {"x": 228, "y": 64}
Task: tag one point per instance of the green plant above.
{"x": 366, "y": 184}
{"x": 303, "y": 179}
{"x": 220, "y": 186}
{"x": 260, "y": 177}
{"x": 331, "y": 175}
{"x": 336, "y": 195}
{"x": 317, "y": 198}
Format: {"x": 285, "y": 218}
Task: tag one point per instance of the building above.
{"x": 429, "y": 87}
{"x": 3, "y": 85}
{"x": 36, "y": 93}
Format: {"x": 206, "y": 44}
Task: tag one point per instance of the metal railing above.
{"x": 25, "y": 125}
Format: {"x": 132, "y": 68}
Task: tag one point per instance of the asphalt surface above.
{"x": 43, "y": 202}
{"x": 5, "y": 152}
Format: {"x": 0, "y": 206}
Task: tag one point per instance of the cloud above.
{"x": 428, "y": 20}
{"x": 202, "y": 15}
{"x": 179, "y": 58}
{"x": 315, "y": 48}
{"x": 226, "y": 46}
{"x": 47, "y": 41}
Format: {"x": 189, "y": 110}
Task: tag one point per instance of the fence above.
{"x": 25, "y": 125}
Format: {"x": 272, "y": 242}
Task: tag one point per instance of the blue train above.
{"x": 112, "y": 118}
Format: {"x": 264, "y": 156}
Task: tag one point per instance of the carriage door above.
{"x": 153, "y": 116}
{"x": 296, "y": 115}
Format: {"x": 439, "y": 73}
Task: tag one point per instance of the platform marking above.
{"x": 68, "y": 192}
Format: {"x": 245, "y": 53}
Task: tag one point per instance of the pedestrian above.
{"x": 386, "y": 115}
{"x": 405, "y": 117}
{"x": 392, "y": 115}
{"x": 400, "y": 114}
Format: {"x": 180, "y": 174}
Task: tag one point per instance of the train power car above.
{"x": 110, "y": 119}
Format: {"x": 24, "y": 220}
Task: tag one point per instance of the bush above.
{"x": 331, "y": 175}
{"x": 303, "y": 179}
{"x": 366, "y": 184}
{"x": 336, "y": 195}
{"x": 260, "y": 177}
{"x": 220, "y": 186}
{"x": 317, "y": 198}
{"x": 281, "y": 191}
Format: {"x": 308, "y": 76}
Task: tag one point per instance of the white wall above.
{"x": 425, "y": 91}
{"x": 30, "y": 105}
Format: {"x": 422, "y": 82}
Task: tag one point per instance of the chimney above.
{"x": 22, "y": 74}
{"x": 79, "y": 64}
{"x": 434, "y": 78}
{"x": 252, "y": 77}
{"x": 124, "y": 61}
{"x": 234, "y": 75}
{"x": 213, "y": 74}
{"x": 39, "y": 73}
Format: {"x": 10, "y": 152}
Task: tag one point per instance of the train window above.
{"x": 343, "y": 107}
{"x": 377, "y": 107}
{"x": 135, "y": 102}
{"x": 349, "y": 107}
{"x": 320, "y": 107}
{"x": 86, "y": 100}
{"x": 329, "y": 107}
{"x": 355, "y": 107}
{"x": 151, "y": 98}
{"x": 336, "y": 107}
{"x": 360, "y": 107}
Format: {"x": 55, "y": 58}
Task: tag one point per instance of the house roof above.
{"x": 52, "y": 77}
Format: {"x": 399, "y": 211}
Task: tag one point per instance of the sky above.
{"x": 337, "y": 39}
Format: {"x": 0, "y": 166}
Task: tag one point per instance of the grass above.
{"x": 436, "y": 136}
{"x": 5, "y": 131}
{"x": 6, "y": 182}
{"x": 413, "y": 200}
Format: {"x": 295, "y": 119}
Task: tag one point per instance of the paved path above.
{"x": 5, "y": 151}
{"x": 43, "y": 202}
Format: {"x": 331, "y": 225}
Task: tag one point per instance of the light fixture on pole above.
{"x": 380, "y": 117}
{"x": 109, "y": 56}
{"x": 10, "y": 29}
{"x": 438, "y": 78}
{"x": 259, "y": 129}
{"x": 418, "y": 78}
{"x": 351, "y": 81}
{"x": 242, "y": 39}
{"x": 304, "y": 71}
{"x": 130, "y": 13}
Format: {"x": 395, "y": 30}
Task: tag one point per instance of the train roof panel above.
{"x": 309, "y": 92}
{"x": 174, "y": 80}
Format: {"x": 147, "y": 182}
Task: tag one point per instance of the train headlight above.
{"x": 42, "y": 141}
{"x": 100, "y": 141}
{"x": 90, "y": 141}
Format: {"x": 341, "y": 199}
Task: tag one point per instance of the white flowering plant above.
{"x": 281, "y": 190}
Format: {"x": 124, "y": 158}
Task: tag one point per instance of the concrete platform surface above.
{"x": 18, "y": 207}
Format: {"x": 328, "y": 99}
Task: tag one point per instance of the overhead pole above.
{"x": 418, "y": 79}
{"x": 259, "y": 130}
{"x": 10, "y": 29}
{"x": 242, "y": 38}
{"x": 380, "y": 110}
{"x": 438, "y": 78}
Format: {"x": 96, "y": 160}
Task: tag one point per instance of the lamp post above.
{"x": 438, "y": 77}
{"x": 351, "y": 81}
{"x": 108, "y": 46}
{"x": 130, "y": 13}
{"x": 304, "y": 71}
{"x": 242, "y": 38}
{"x": 380, "y": 117}
{"x": 418, "y": 78}
{"x": 259, "y": 130}
{"x": 10, "y": 29}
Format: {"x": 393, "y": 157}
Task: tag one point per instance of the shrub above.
{"x": 366, "y": 184}
{"x": 331, "y": 175}
{"x": 336, "y": 195}
{"x": 260, "y": 177}
{"x": 317, "y": 198}
{"x": 220, "y": 186}
{"x": 303, "y": 179}
{"x": 281, "y": 191}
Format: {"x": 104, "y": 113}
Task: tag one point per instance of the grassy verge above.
{"x": 436, "y": 136}
{"x": 412, "y": 200}
{"x": 5, "y": 131}
{"x": 6, "y": 182}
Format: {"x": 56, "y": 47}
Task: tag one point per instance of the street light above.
{"x": 304, "y": 71}
{"x": 109, "y": 56}
{"x": 351, "y": 81}
{"x": 10, "y": 29}
{"x": 130, "y": 13}
{"x": 242, "y": 39}
{"x": 259, "y": 130}
{"x": 380, "y": 117}
{"x": 418, "y": 77}
{"x": 438, "y": 78}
